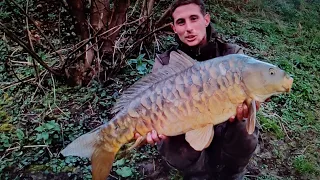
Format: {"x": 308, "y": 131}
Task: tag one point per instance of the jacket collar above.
{"x": 201, "y": 53}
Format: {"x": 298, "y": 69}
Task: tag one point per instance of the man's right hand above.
{"x": 152, "y": 137}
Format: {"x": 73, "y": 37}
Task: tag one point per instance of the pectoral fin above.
{"x": 200, "y": 139}
{"x": 137, "y": 143}
{"x": 252, "y": 117}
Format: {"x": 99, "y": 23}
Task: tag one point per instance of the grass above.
{"x": 36, "y": 123}
{"x": 285, "y": 33}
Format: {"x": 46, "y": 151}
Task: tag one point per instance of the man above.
{"x": 232, "y": 147}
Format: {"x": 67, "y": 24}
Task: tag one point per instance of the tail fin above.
{"x": 83, "y": 146}
{"x": 87, "y": 146}
{"x": 102, "y": 161}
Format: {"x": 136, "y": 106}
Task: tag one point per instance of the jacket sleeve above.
{"x": 233, "y": 49}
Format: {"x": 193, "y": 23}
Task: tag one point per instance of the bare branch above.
{"x": 163, "y": 18}
{"x": 28, "y": 49}
{"x": 39, "y": 29}
{"x": 135, "y": 7}
{"x": 134, "y": 45}
{"x": 30, "y": 41}
{"x": 118, "y": 17}
{"x": 143, "y": 9}
{"x": 150, "y": 6}
{"x": 100, "y": 10}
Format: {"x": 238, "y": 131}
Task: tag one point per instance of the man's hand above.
{"x": 243, "y": 112}
{"x": 152, "y": 137}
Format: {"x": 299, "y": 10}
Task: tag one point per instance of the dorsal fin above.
{"x": 177, "y": 63}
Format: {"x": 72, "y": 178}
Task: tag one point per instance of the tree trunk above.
{"x": 118, "y": 17}
{"x": 100, "y": 50}
{"x": 99, "y": 41}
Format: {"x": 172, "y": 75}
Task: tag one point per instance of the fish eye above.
{"x": 272, "y": 71}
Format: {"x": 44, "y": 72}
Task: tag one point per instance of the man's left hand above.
{"x": 243, "y": 112}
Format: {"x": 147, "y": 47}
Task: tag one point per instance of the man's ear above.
{"x": 207, "y": 19}
{"x": 173, "y": 27}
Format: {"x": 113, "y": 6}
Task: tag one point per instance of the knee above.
{"x": 237, "y": 141}
{"x": 177, "y": 152}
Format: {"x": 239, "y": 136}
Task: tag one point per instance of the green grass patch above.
{"x": 304, "y": 165}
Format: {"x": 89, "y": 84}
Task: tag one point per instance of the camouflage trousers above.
{"x": 226, "y": 157}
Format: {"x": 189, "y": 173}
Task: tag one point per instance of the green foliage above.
{"x": 271, "y": 125}
{"x": 36, "y": 122}
{"x": 285, "y": 33}
{"x": 51, "y": 129}
{"x": 124, "y": 172}
{"x": 304, "y": 166}
{"x": 142, "y": 65}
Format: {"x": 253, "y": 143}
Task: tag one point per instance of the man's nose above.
{"x": 189, "y": 27}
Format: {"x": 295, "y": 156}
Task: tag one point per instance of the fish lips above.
{"x": 288, "y": 84}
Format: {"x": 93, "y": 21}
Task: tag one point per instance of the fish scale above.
{"x": 185, "y": 97}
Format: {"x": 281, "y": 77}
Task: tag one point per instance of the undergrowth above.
{"x": 37, "y": 121}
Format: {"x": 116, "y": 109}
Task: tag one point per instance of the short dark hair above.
{"x": 178, "y": 3}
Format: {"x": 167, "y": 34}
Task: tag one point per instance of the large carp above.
{"x": 185, "y": 96}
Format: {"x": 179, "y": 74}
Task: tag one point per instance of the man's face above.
{"x": 190, "y": 24}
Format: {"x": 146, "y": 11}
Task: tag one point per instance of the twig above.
{"x": 39, "y": 85}
{"x": 282, "y": 126}
{"x": 5, "y": 153}
{"x": 55, "y": 97}
{"x": 30, "y": 42}
{"x": 118, "y": 48}
{"x": 17, "y": 83}
{"x": 155, "y": 37}
{"x": 150, "y": 6}
{"x": 22, "y": 62}
{"x": 62, "y": 134}
{"x": 40, "y": 30}
{"x": 280, "y": 122}
{"x": 133, "y": 46}
{"x": 85, "y": 42}
{"x": 59, "y": 27}
{"x": 162, "y": 19}
{"x": 18, "y": 147}
{"x": 35, "y": 146}
{"x": 28, "y": 49}
{"x": 143, "y": 9}
{"x": 51, "y": 155}
{"x": 54, "y": 90}
{"x": 113, "y": 176}
{"x": 135, "y": 7}
{"x": 149, "y": 56}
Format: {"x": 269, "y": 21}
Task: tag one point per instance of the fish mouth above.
{"x": 286, "y": 89}
{"x": 288, "y": 84}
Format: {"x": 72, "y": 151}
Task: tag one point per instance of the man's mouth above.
{"x": 190, "y": 38}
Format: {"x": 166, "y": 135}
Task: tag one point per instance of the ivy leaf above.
{"x": 45, "y": 135}
{"x": 119, "y": 162}
{"x": 20, "y": 134}
{"x": 142, "y": 68}
{"x": 40, "y": 129}
{"x": 132, "y": 61}
{"x": 124, "y": 171}
{"x": 49, "y": 125}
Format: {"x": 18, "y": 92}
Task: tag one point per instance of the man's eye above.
{"x": 194, "y": 18}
